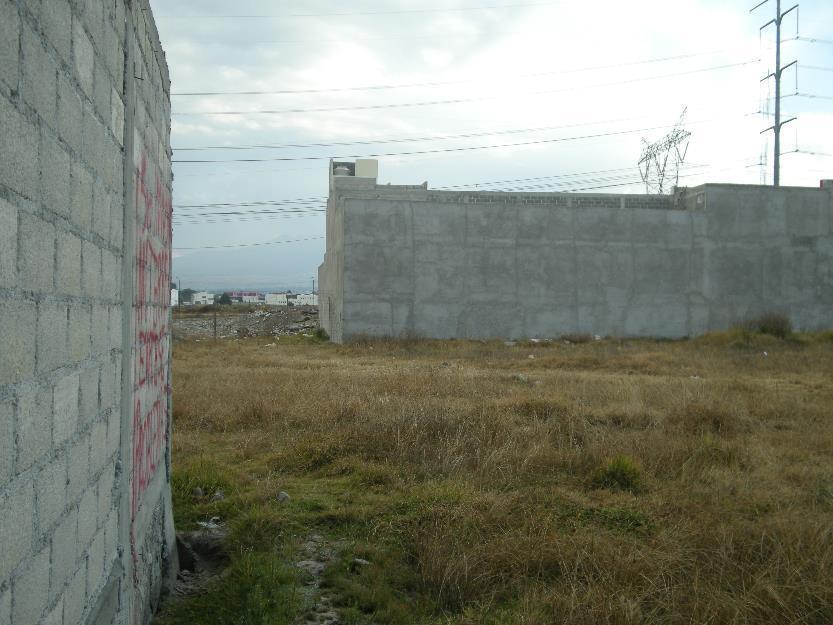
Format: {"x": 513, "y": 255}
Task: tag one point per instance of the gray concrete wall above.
{"x": 85, "y": 519}
{"x": 481, "y": 265}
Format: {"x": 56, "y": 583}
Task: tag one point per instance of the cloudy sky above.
{"x": 491, "y": 94}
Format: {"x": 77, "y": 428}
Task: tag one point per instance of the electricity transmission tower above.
{"x": 776, "y": 127}
{"x": 662, "y": 160}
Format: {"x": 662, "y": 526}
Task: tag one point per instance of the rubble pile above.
{"x": 265, "y": 321}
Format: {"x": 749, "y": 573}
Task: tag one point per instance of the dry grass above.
{"x": 492, "y": 484}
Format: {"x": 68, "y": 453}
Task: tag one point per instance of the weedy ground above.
{"x": 601, "y": 482}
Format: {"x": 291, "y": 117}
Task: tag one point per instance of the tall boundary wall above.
{"x": 86, "y": 527}
{"x": 406, "y": 261}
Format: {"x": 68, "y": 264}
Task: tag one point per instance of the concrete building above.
{"x": 245, "y": 297}
{"x": 174, "y": 297}
{"x": 276, "y": 299}
{"x": 305, "y": 299}
{"x": 86, "y": 529}
{"x": 410, "y": 261}
{"x": 202, "y": 298}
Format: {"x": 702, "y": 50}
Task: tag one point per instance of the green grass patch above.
{"x": 210, "y": 479}
{"x": 621, "y": 473}
{"x": 258, "y": 589}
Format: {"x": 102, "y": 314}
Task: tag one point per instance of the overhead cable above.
{"x": 307, "y": 200}
{"x": 445, "y": 83}
{"x": 815, "y": 40}
{"x": 349, "y": 13}
{"x": 433, "y": 151}
{"x": 381, "y": 141}
{"x": 368, "y": 107}
{"x": 219, "y": 247}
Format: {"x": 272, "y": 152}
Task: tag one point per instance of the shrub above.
{"x": 577, "y": 338}
{"x": 621, "y": 473}
{"x": 321, "y": 335}
{"x": 773, "y": 324}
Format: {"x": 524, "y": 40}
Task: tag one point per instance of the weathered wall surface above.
{"x": 146, "y": 392}
{"x": 85, "y": 520}
{"x": 480, "y": 265}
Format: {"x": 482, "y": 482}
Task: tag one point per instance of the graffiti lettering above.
{"x": 151, "y": 344}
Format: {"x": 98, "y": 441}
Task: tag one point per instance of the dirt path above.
{"x": 315, "y": 556}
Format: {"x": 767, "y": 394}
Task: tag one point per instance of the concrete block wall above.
{"x": 765, "y": 249}
{"x": 409, "y": 262}
{"x": 67, "y": 315}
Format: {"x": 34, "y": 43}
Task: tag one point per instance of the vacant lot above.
{"x": 581, "y": 483}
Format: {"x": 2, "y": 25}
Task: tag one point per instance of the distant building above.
{"x": 245, "y": 297}
{"x": 276, "y": 299}
{"x": 174, "y": 297}
{"x": 202, "y": 298}
{"x": 306, "y": 299}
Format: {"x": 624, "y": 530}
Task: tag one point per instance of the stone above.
{"x": 283, "y": 497}
{"x": 312, "y": 567}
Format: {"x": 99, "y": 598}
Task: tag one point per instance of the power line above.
{"x": 572, "y": 178}
{"x": 621, "y": 181}
{"x": 280, "y": 202}
{"x": 221, "y": 247}
{"x": 381, "y": 141}
{"x": 815, "y": 40}
{"x": 625, "y": 174}
{"x": 434, "y": 151}
{"x": 307, "y": 200}
{"x": 816, "y": 67}
{"x": 343, "y": 14}
{"x": 514, "y": 180}
{"x": 460, "y": 100}
{"x": 258, "y": 213}
{"x": 198, "y": 221}
{"x": 824, "y": 154}
{"x": 578, "y": 178}
{"x": 257, "y": 42}
{"x": 445, "y": 83}
{"x": 609, "y": 183}
{"x": 304, "y": 211}
{"x": 813, "y": 96}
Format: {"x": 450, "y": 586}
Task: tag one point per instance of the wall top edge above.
{"x": 156, "y": 41}
{"x": 734, "y": 185}
{"x": 420, "y": 194}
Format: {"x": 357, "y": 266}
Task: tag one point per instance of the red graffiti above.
{"x": 151, "y": 344}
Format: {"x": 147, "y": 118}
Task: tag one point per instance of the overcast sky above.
{"x": 541, "y": 76}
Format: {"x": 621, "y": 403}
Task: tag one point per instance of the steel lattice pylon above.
{"x": 660, "y": 162}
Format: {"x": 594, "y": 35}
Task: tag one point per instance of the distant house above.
{"x": 202, "y": 298}
{"x": 306, "y": 299}
{"x": 174, "y": 297}
{"x": 276, "y": 299}
{"x": 245, "y": 297}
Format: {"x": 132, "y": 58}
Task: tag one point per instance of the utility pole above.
{"x": 776, "y": 128}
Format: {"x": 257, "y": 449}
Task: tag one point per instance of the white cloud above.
{"x": 494, "y": 53}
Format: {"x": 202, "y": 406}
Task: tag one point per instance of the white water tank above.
{"x": 367, "y": 168}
